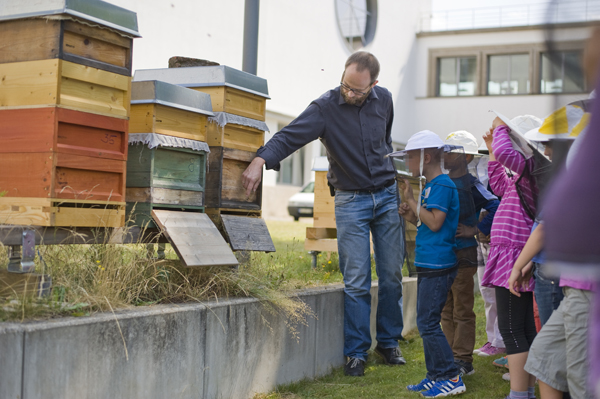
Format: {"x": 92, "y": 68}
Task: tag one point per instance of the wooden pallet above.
{"x": 54, "y": 129}
{"x": 234, "y": 136}
{"x": 66, "y": 84}
{"x": 157, "y": 118}
{"x": 234, "y": 101}
{"x": 61, "y": 213}
{"x": 224, "y": 187}
{"x": 41, "y": 39}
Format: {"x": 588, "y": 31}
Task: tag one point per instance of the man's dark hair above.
{"x": 364, "y": 60}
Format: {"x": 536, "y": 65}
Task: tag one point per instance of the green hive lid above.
{"x": 207, "y": 76}
{"x": 95, "y": 11}
{"x": 157, "y": 92}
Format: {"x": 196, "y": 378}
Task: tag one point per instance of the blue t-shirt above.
{"x": 539, "y": 257}
{"x": 436, "y": 250}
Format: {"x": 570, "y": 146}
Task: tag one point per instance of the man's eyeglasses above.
{"x": 357, "y": 92}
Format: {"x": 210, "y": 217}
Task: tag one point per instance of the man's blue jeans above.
{"x": 358, "y": 214}
{"x": 548, "y": 293}
{"x": 432, "y": 293}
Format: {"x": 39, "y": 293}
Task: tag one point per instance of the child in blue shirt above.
{"x": 436, "y": 218}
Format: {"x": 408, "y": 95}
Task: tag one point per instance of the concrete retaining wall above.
{"x": 225, "y": 349}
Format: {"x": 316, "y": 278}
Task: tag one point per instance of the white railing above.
{"x": 557, "y": 12}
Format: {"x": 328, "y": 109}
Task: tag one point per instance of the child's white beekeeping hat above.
{"x": 564, "y": 123}
{"x": 463, "y": 139}
{"x": 419, "y": 141}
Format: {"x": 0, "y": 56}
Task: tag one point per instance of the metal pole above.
{"x": 250, "y": 56}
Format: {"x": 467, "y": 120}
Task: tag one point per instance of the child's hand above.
{"x": 519, "y": 279}
{"x": 405, "y": 211}
{"x": 514, "y": 282}
{"x": 466, "y": 231}
{"x": 408, "y": 191}
{"x": 488, "y": 138}
{"x": 497, "y": 122}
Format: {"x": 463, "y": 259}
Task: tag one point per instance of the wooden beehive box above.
{"x": 61, "y": 213}
{"x": 224, "y": 187}
{"x": 159, "y": 107}
{"x": 232, "y": 131}
{"x": 324, "y": 205}
{"x": 164, "y": 177}
{"x": 40, "y": 39}
{"x": 323, "y": 235}
{"x": 230, "y": 90}
{"x": 61, "y": 83}
{"x": 60, "y": 153}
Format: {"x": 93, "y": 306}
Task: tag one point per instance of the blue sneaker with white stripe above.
{"x": 454, "y": 386}
{"x": 421, "y": 386}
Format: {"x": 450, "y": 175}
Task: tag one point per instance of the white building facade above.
{"x": 303, "y": 46}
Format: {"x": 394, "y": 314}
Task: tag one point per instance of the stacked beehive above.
{"x": 65, "y": 87}
{"x": 234, "y": 134}
{"x": 322, "y": 237}
{"x": 166, "y": 168}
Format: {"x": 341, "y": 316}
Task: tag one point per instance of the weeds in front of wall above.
{"x": 98, "y": 277}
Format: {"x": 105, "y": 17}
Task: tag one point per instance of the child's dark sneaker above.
{"x": 464, "y": 368}
{"x": 421, "y": 386}
{"x": 354, "y": 367}
{"x": 454, "y": 386}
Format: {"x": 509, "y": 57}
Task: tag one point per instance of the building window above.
{"x": 457, "y": 76}
{"x": 508, "y": 74}
{"x": 357, "y": 20}
{"x": 291, "y": 170}
{"x": 561, "y": 72}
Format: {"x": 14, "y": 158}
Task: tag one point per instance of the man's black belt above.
{"x": 372, "y": 190}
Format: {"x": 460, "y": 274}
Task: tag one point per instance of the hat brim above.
{"x": 445, "y": 147}
{"x": 535, "y": 135}
{"x": 518, "y": 137}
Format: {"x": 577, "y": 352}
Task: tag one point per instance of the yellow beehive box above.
{"x": 164, "y": 108}
{"x": 236, "y": 132}
{"x": 61, "y": 83}
{"x": 232, "y": 91}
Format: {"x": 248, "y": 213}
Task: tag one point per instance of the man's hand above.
{"x": 252, "y": 175}
{"x": 466, "y": 231}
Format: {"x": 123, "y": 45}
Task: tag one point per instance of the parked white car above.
{"x": 301, "y": 204}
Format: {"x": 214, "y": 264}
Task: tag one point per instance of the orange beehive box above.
{"x": 59, "y": 153}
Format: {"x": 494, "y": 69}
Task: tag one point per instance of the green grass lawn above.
{"x": 382, "y": 381}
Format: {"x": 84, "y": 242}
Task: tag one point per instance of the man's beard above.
{"x": 354, "y": 100}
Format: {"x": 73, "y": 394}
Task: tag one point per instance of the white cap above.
{"x": 464, "y": 139}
